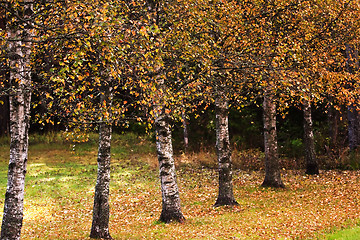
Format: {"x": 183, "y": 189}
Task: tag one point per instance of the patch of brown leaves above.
{"x": 307, "y": 208}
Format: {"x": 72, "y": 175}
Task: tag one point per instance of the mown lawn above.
{"x": 60, "y": 187}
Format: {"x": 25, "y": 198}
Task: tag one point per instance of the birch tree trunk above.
{"x": 312, "y": 166}
{"x": 333, "y": 122}
{"x": 171, "y": 208}
{"x": 186, "y": 131}
{"x": 101, "y": 208}
{"x": 353, "y": 127}
{"x": 20, "y": 79}
{"x": 100, "y": 223}
{"x": 272, "y": 168}
{"x": 226, "y": 195}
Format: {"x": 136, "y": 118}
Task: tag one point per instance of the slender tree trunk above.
{"x": 333, "y": 122}
{"x": 226, "y": 195}
{"x": 352, "y": 58}
{"x": 272, "y": 168}
{"x": 20, "y": 79}
{"x": 171, "y": 208}
{"x": 100, "y": 223}
{"x": 186, "y": 131}
{"x": 101, "y": 209}
{"x": 353, "y": 127}
{"x": 312, "y": 166}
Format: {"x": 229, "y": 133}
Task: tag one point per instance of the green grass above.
{"x": 60, "y": 187}
{"x": 346, "y": 234}
{"x": 61, "y": 177}
{"x": 351, "y": 233}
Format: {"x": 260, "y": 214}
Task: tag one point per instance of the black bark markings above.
{"x": 272, "y": 168}
{"x": 225, "y": 192}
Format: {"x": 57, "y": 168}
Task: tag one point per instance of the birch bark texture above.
{"x": 353, "y": 126}
{"x": 223, "y": 150}
{"x": 312, "y": 165}
{"x": 272, "y": 166}
{"x": 171, "y": 207}
{"x": 101, "y": 208}
{"x": 333, "y": 124}
{"x": 185, "y": 130}
{"x": 20, "y": 79}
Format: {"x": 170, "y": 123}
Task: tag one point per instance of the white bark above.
{"x": 272, "y": 168}
{"x": 226, "y": 195}
{"x": 101, "y": 209}
{"x": 312, "y": 166}
{"x": 171, "y": 208}
{"x": 186, "y": 131}
{"x": 20, "y": 79}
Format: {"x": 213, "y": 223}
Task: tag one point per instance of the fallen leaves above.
{"x": 59, "y": 198}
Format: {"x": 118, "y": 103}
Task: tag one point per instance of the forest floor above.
{"x": 60, "y": 187}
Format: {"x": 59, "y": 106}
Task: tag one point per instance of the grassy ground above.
{"x": 60, "y": 187}
{"x": 346, "y": 234}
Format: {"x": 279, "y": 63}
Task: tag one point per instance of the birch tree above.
{"x": 272, "y": 166}
{"x": 101, "y": 208}
{"x": 84, "y": 77}
{"x": 171, "y": 208}
{"x": 217, "y": 44}
{"x": 312, "y": 165}
{"x": 19, "y": 35}
{"x": 223, "y": 150}
{"x": 319, "y": 64}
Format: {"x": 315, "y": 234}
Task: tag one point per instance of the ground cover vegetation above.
{"x": 237, "y": 72}
{"x": 60, "y": 188}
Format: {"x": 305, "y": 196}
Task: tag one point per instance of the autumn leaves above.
{"x": 98, "y": 61}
